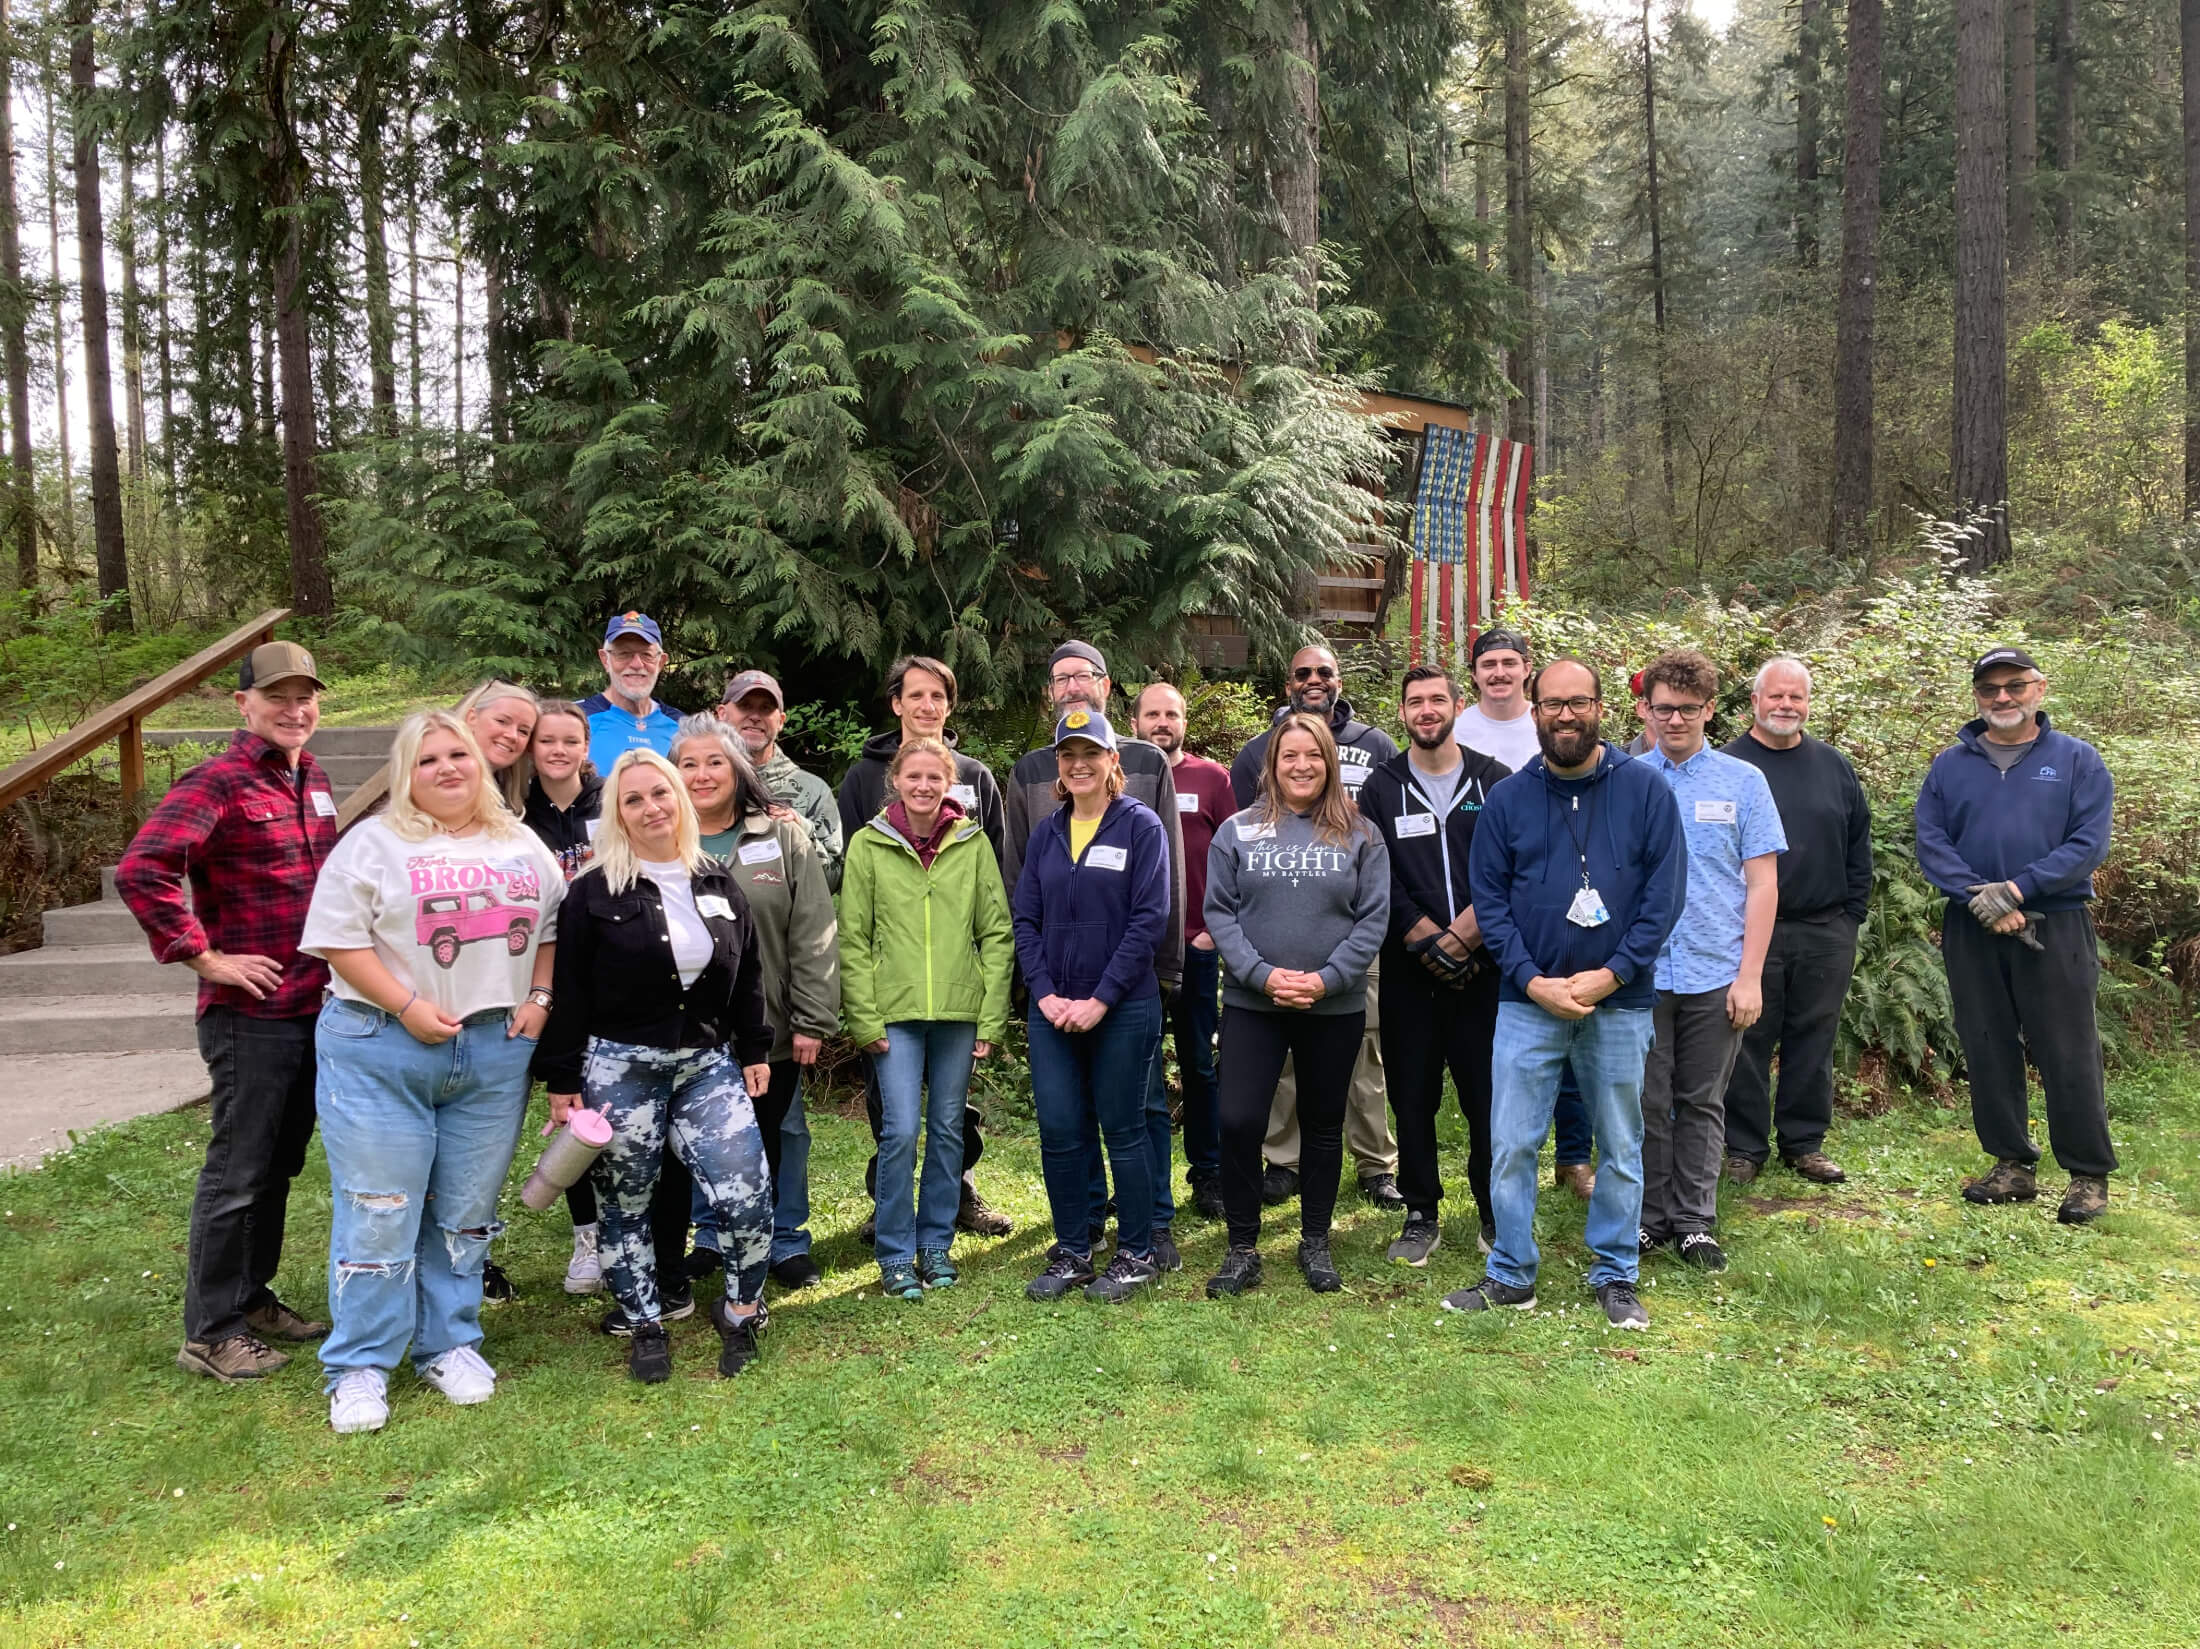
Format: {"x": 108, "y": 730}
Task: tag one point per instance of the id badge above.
{"x": 1587, "y": 910}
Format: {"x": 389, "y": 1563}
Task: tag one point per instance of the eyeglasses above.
{"x": 1555, "y": 708}
{"x": 1677, "y": 712}
{"x": 1076, "y": 678}
{"x": 2007, "y": 689}
{"x": 1308, "y": 672}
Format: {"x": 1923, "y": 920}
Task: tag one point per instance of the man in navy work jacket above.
{"x": 2011, "y": 824}
{"x": 1579, "y": 870}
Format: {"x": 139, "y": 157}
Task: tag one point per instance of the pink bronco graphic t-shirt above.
{"x": 455, "y": 918}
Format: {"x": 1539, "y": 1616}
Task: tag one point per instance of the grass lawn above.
{"x": 1897, "y": 1420}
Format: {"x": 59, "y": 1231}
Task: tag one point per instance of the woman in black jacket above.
{"x": 664, "y": 977}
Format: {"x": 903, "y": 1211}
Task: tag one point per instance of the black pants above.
{"x": 2010, "y": 1001}
{"x": 1807, "y": 972}
{"x": 672, "y": 1204}
{"x": 973, "y": 1141}
{"x": 1323, "y": 1050}
{"x": 262, "y": 1071}
{"x": 1431, "y": 1028}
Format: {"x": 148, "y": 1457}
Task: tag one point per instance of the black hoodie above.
{"x": 1360, "y": 750}
{"x": 863, "y": 789}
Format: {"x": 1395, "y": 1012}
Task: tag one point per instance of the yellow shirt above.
{"x": 1081, "y": 833}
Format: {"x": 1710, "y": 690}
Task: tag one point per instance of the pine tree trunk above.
{"x": 2066, "y": 133}
{"x": 110, "y": 547}
{"x": 22, "y": 506}
{"x": 1979, "y": 452}
{"x": 1298, "y": 179}
{"x": 65, "y": 515}
{"x": 1520, "y": 412}
{"x": 310, "y": 591}
{"x": 1853, "y": 447}
{"x": 1657, "y": 255}
{"x": 1806, "y": 133}
{"x": 2024, "y": 132}
{"x": 2188, "y": 16}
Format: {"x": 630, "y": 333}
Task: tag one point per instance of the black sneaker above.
{"x": 1315, "y": 1265}
{"x": 649, "y": 1357}
{"x": 1701, "y": 1250}
{"x": 739, "y": 1338}
{"x": 1064, "y": 1272}
{"x": 1279, "y": 1185}
{"x": 704, "y": 1262}
{"x": 1126, "y": 1275}
{"x": 1488, "y": 1295}
{"x": 1165, "y": 1256}
{"x": 671, "y": 1308}
{"x": 1240, "y": 1271}
{"x": 495, "y": 1285}
{"x": 1207, "y": 1197}
{"x": 1382, "y": 1190}
{"x": 797, "y": 1271}
{"x": 1621, "y": 1308}
{"x": 1417, "y": 1242}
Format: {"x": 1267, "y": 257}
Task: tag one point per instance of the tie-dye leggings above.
{"x": 696, "y": 1095}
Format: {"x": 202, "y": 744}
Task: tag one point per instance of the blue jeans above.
{"x": 1570, "y": 1121}
{"x": 1100, "y": 1078}
{"x": 1193, "y": 1014}
{"x": 923, "y": 1078}
{"x": 412, "y": 1130}
{"x": 791, "y": 1187}
{"x": 1606, "y": 1051}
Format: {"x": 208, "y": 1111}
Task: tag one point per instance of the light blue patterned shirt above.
{"x": 1728, "y": 815}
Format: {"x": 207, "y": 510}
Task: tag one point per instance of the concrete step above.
{"x": 55, "y": 1095}
{"x": 38, "y": 1024}
{"x": 108, "y": 922}
{"x": 93, "y": 970}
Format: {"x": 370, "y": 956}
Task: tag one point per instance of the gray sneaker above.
{"x": 1488, "y": 1295}
{"x": 1416, "y": 1243}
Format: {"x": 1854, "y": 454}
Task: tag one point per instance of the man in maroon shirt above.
{"x": 219, "y": 879}
{"x": 1203, "y": 803}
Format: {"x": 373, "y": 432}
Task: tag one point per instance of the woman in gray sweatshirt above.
{"x": 1298, "y": 898}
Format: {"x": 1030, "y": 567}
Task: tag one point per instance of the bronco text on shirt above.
{"x": 456, "y": 918}
{"x": 1727, "y": 815}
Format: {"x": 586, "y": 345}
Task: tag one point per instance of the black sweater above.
{"x": 615, "y": 976}
{"x": 1828, "y": 862}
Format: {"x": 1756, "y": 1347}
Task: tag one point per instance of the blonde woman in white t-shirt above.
{"x": 436, "y": 919}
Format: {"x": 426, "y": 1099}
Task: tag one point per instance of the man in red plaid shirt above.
{"x": 219, "y": 878}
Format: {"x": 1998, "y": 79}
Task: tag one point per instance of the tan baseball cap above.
{"x": 274, "y": 661}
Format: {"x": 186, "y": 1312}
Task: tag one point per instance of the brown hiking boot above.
{"x": 2085, "y": 1201}
{"x": 2010, "y": 1181}
{"x": 239, "y": 1357}
{"x": 978, "y": 1217}
{"x": 1577, "y": 1177}
{"x": 1818, "y": 1168}
{"x": 276, "y": 1321}
{"x": 1741, "y": 1170}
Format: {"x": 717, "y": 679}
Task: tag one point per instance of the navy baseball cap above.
{"x": 631, "y": 623}
{"x": 1088, "y": 725}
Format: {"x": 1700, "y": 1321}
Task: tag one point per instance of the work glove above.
{"x": 1991, "y": 901}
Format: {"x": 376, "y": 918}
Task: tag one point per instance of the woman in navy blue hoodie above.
{"x": 1091, "y": 905}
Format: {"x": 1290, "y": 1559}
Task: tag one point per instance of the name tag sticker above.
{"x": 1251, "y": 832}
{"x": 760, "y": 852}
{"x": 324, "y": 804}
{"x": 1416, "y": 824}
{"x": 1187, "y": 801}
{"x": 1108, "y": 858}
{"x": 714, "y": 904}
{"x": 966, "y": 795}
{"x": 1715, "y": 813}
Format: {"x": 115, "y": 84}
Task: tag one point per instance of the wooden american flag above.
{"x": 1470, "y": 537}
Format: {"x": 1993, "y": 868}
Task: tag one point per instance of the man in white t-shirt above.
{"x": 1498, "y": 723}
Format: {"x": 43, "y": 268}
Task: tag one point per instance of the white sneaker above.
{"x": 584, "y": 1275}
{"x": 360, "y": 1401}
{"x": 461, "y": 1375}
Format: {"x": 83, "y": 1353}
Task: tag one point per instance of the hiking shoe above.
{"x": 1416, "y": 1243}
{"x": 1064, "y": 1272}
{"x": 461, "y": 1374}
{"x": 1315, "y": 1265}
{"x": 1488, "y": 1295}
{"x": 584, "y": 1271}
{"x": 359, "y": 1401}
{"x": 1740, "y": 1170}
{"x": 702, "y": 1263}
{"x": 1240, "y": 1271}
{"x": 1621, "y": 1308}
{"x": 276, "y": 1321}
{"x": 1207, "y": 1197}
{"x": 740, "y": 1339}
{"x": 1165, "y": 1256}
{"x": 1577, "y": 1177}
{"x": 935, "y": 1269}
{"x": 495, "y": 1285}
{"x": 671, "y": 1308}
{"x": 233, "y": 1358}
{"x": 1126, "y": 1275}
{"x": 2085, "y": 1201}
{"x": 1701, "y": 1250}
{"x": 900, "y": 1282}
{"x": 1382, "y": 1190}
{"x": 1818, "y": 1168}
{"x": 1279, "y": 1185}
{"x": 2009, "y": 1181}
{"x": 796, "y": 1271}
{"x": 868, "y": 1235}
{"x": 649, "y": 1355}
{"x": 978, "y": 1217}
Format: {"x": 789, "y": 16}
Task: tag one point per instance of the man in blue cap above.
{"x": 626, "y": 715}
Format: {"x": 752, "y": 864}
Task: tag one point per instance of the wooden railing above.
{"x": 124, "y": 720}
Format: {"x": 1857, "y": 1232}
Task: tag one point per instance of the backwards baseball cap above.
{"x": 1077, "y": 649}
{"x": 752, "y": 681}
{"x": 1995, "y": 658}
{"x": 1088, "y": 725}
{"x": 1496, "y": 641}
{"x": 631, "y": 623}
{"x": 274, "y": 661}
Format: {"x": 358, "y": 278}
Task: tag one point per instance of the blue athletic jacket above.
{"x": 1091, "y": 928}
{"x": 2042, "y": 825}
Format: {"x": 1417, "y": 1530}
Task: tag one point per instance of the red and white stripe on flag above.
{"x": 1470, "y": 537}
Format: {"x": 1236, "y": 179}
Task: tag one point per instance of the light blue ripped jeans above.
{"x": 419, "y": 1139}
{"x": 696, "y": 1095}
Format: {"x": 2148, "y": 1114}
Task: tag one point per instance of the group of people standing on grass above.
{"x": 638, "y": 909}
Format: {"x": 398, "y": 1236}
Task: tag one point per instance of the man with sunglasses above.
{"x": 1317, "y": 688}
{"x": 2012, "y": 822}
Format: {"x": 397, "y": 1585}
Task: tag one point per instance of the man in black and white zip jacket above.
{"x": 1439, "y": 985}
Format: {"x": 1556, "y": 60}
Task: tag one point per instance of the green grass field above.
{"x": 1897, "y": 1420}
